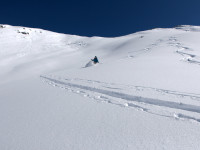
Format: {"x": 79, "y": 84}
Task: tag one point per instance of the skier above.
{"x": 95, "y": 60}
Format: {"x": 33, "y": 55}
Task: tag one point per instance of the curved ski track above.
{"x": 115, "y": 95}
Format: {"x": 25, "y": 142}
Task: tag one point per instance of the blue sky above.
{"x": 108, "y": 18}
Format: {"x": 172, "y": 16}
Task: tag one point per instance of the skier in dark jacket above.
{"x": 95, "y": 60}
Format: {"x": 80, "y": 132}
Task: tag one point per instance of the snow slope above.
{"x": 144, "y": 94}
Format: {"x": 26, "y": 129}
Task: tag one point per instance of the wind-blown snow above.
{"x": 144, "y": 93}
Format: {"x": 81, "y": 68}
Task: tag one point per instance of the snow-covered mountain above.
{"x": 144, "y": 93}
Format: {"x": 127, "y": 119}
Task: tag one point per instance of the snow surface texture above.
{"x": 143, "y": 95}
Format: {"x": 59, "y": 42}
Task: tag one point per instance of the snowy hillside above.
{"x": 144, "y": 93}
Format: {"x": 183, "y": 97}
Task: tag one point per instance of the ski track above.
{"x": 186, "y": 56}
{"x": 125, "y": 100}
{"x": 180, "y": 116}
{"x": 133, "y": 54}
{"x": 140, "y": 88}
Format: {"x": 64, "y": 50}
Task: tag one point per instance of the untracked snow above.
{"x": 144, "y": 93}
